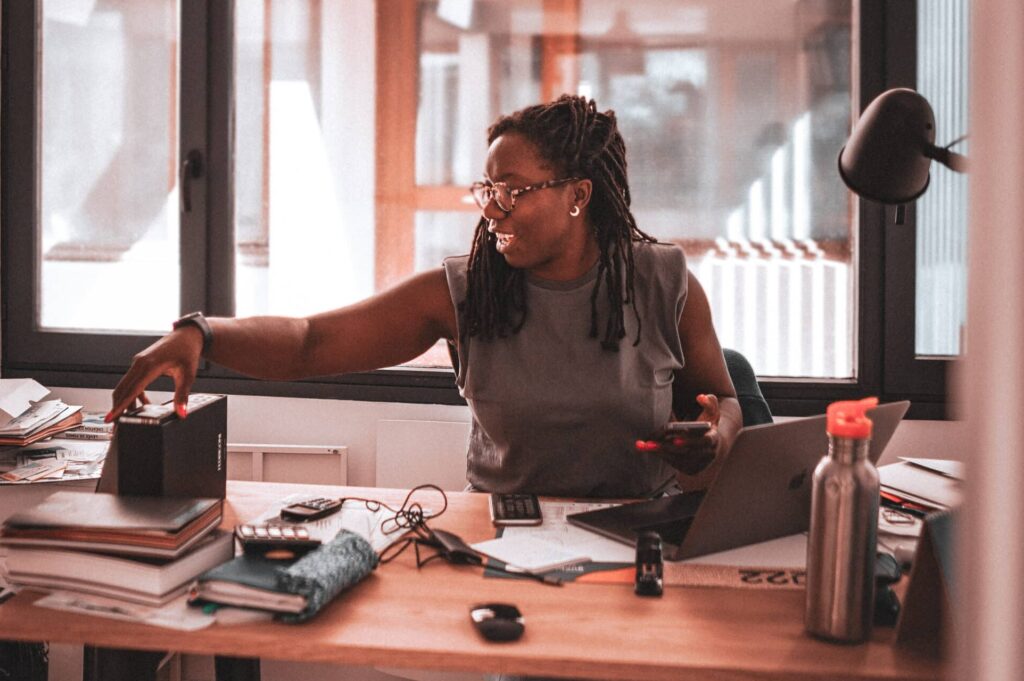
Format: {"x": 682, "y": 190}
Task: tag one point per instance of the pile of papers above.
{"x": 46, "y": 439}
{"x": 41, "y": 420}
{"x": 51, "y": 461}
{"x": 922, "y": 485}
{"x": 910, "y": 490}
{"x": 24, "y": 416}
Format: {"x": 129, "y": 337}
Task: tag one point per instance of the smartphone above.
{"x": 515, "y": 509}
{"x": 687, "y": 427}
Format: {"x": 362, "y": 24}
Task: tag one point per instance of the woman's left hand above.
{"x": 690, "y": 453}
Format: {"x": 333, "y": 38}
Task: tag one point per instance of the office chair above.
{"x": 753, "y": 406}
{"x": 752, "y": 403}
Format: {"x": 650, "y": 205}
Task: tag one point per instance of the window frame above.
{"x": 885, "y": 361}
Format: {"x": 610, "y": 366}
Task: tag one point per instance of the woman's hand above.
{"x": 176, "y": 355}
{"x": 689, "y": 453}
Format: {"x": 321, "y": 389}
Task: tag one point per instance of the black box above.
{"x": 159, "y": 454}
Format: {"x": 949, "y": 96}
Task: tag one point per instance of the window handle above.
{"x": 191, "y": 169}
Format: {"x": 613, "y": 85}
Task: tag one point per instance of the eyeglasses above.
{"x": 504, "y": 196}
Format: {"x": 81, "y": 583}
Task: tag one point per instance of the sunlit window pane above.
{"x": 304, "y": 159}
{"x": 942, "y": 70}
{"x": 109, "y": 138}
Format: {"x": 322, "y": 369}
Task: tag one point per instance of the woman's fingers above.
{"x": 710, "y": 410}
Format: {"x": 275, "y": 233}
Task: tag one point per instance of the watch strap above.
{"x": 197, "y": 320}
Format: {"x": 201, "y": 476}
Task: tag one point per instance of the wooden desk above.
{"x": 404, "y": 617}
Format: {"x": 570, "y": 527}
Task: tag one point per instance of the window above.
{"x": 326, "y": 156}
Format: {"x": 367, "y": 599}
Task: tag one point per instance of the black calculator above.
{"x": 311, "y": 509}
{"x": 515, "y": 509}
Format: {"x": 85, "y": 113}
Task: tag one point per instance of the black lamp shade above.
{"x": 888, "y": 155}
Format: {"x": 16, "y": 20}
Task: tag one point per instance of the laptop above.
{"x": 762, "y": 491}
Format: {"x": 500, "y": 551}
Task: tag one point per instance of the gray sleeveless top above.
{"x": 553, "y": 413}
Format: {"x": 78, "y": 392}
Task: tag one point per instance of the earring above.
{"x": 575, "y": 211}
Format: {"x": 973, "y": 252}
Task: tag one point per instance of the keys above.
{"x": 519, "y": 506}
{"x": 311, "y": 509}
{"x": 261, "y": 539}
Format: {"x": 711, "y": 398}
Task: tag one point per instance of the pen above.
{"x": 905, "y": 506}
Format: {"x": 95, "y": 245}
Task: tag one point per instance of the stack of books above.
{"x": 144, "y": 550}
{"x": 93, "y": 427}
{"x": 41, "y": 420}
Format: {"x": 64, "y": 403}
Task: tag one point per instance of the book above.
{"x": 62, "y": 418}
{"x": 139, "y": 580}
{"x": 36, "y": 415}
{"x": 92, "y": 427}
{"x": 160, "y": 527}
{"x": 248, "y": 581}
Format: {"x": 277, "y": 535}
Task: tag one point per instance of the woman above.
{"x": 570, "y": 324}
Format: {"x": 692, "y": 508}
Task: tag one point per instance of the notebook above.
{"x": 762, "y": 491}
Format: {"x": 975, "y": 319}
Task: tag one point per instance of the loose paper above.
{"x": 16, "y": 396}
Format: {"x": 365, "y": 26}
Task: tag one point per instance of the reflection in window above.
{"x": 304, "y": 155}
{"x": 732, "y": 115}
{"x": 109, "y": 136}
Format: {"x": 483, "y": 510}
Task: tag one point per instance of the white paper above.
{"x": 83, "y": 458}
{"x": 529, "y": 553}
{"x": 175, "y": 615}
{"x": 16, "y": 396}
{"x": 947, "y": 467}
{"x": 556, "y": 529}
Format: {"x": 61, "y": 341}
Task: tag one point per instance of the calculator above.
{"x": 261, "y": 539}
{"x": 311, "y": 509}
{"x": 515, "y": 509}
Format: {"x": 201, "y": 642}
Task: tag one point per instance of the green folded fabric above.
{"x": 322, "y": 574}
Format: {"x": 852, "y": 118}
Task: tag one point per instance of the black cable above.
{"x": 410, "y": 518}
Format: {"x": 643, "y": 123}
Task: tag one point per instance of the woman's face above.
{"x": 539, "y": 234}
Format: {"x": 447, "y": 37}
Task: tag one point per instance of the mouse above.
{"x": 498, "y": 622}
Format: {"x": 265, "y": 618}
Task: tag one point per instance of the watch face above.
{"x": 197, "y": 320}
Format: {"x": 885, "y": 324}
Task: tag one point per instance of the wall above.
{"x": 280, "y": 420}
{"x": 275, "y": 420}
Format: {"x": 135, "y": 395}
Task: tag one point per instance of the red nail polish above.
{"x": 109, "y": 417}
{"x": 181, "y": 410}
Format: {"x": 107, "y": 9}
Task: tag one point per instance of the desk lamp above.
{"x": 888, "y": 155}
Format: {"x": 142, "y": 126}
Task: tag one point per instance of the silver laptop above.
{"x": 762, "y": 491}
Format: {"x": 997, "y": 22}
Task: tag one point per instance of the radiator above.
{"x": 315, "y": 464}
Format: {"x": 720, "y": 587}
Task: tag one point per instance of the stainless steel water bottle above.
{"x": 842, "y": 541}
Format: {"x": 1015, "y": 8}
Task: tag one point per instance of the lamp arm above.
{"x": 950, "y": 159}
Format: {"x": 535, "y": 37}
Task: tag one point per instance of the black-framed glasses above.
{"x": 504, "y": 196}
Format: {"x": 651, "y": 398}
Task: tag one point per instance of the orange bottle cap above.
{"x": 849, "y": 419}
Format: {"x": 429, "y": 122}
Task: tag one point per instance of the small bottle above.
{"x": 842, "y": 542}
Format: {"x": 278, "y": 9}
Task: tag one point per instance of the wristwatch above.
{"x": 197, "y": 320}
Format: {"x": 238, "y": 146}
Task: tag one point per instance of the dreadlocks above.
{"x": 574, "y": 137}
